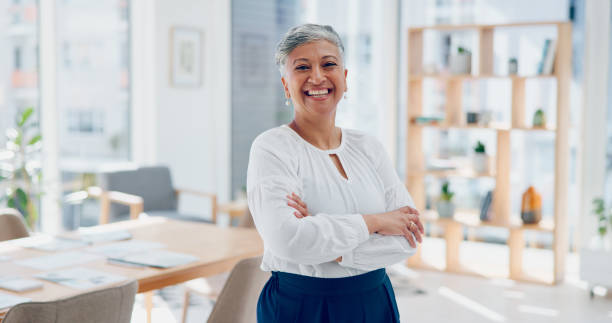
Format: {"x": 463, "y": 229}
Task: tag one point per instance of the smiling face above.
{"x": 315, "y": 78}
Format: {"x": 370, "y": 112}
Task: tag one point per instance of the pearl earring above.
{"x": 287, "y": 102}
{"x": 345, "y": 96}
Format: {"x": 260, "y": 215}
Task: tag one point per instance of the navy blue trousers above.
{"x": 289, "y": 298}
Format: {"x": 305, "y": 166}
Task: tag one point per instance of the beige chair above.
{"x": 237, "y": 302}
{"x": 210, "y": 287}
{"x": 12, "y": 225}
{"x": 111, "y": 305}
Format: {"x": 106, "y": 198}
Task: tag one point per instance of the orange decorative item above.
{"x": 531, "y": 208}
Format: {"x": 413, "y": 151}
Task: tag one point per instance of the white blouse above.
{"x": 282, "y": 162}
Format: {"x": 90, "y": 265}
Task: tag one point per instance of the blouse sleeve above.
{"x": 271, "y": 176}
{"x": 381, "y": 250}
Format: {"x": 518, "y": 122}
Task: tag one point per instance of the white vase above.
{"x": 446, "y": 209}
{"x": 481, "y": 163}
{"x": 460, "y": 63}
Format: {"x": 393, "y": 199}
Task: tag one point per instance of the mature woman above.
{"x": 327, "y": 202}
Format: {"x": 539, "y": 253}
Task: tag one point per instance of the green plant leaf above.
{"x": 11, "y": 202}
{"x": 598, "y": 206}
{"x": 25, "y": 116}
{"x": 35, "y": 139}
{"x": 22, "y": 198}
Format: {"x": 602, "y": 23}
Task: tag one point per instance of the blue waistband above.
{"x": 300, "y": 284}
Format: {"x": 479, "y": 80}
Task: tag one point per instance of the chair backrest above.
{"x": 103, "y": 306}
{"x": 12, "y": 225}
{"x": 153, "y": 184}
{"x": 237, "y": 302}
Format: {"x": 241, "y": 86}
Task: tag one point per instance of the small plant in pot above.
{"x": 461, "y": 62}
{"x": 445, "y": 206}
{"x": 481, "y": 159}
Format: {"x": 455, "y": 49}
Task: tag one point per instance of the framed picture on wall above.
{"x": 186, "y": 56}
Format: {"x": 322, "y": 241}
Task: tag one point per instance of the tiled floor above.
{"x": 426, "y": 296}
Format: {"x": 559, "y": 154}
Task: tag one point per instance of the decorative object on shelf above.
{"x": 21, "y": 168}
{"x": 481, "y": 159}
{"x": 531, "y": 207}
{"x": 461, "y": 62}
{"x": 472, "y": 117}
{"x": 185, "y": 56}
{"x": 512, "y": 66}
{"x": 485, "y": 117}
{"x": 427, "y": 120}
{"x": 604, "y": 219}
{"x": 546, "y": 64}
{"x": 539, "y": 119}
{"x": 445, "y": 206}
{"x": 486, "y": 207}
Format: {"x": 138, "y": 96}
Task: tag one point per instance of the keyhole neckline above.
{"x": 325, "y": 151}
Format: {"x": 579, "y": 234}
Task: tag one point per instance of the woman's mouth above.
{"x": 318, "y": 93}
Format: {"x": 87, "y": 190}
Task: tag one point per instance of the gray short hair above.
{"x": 300, "y": 35}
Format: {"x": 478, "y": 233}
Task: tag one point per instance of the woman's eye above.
{"x": 329, "y": 64}
{"x": 301, "y": 68}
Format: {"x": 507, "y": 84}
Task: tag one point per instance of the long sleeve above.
{"x": 380, "y": 251}
{"x": 272, "y": 175}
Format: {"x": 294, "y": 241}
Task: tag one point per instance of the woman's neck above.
{"x": 322, "y": 134}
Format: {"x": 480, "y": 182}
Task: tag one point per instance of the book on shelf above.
{"x": 545, "y": 66}
{"x": 486, "y": 206}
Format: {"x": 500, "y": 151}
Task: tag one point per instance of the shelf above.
{"x": 471, "y": 218}
{"x": 491, "y": 126}
{"x": 449, "y": 27}
{"x": 466, "y": 173}
{"x": 453, "y": 77}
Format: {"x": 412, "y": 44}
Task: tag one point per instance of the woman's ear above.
{"x": 345, "y": 74}
{"x": 287, "y": 94}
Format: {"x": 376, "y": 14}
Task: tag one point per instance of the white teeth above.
{"x": 318, "y": 92}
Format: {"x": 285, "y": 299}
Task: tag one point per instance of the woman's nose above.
{"x": 316, "y": 75}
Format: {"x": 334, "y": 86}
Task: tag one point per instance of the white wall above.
{"x": 184, "y": 128}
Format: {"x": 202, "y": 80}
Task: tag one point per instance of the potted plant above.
{"x": 539, "y": 119}
{"x": 445, "y": 206}
{"x": 20, "y": 167}
{"x": 481, "y": 159}
{"x": 461, "y": 62}
{"x": 603, "y": 220}
{"x": 596, "y": 259}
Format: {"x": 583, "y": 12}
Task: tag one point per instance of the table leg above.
{"x": 149, "y": 305}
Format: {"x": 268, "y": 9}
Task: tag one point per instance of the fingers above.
{"x": 415, "y": 231}
{"x": 296, "y": 203}
{"x": 408, "y": 236}
{"x": 414, "y": 217}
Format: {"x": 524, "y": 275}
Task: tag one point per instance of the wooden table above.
{"x": 218, "y": 250}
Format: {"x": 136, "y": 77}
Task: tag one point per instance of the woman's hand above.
{"x": 403, "y": 221}
{"x": 300, "y": 207}
{"x": 301, "y": 210}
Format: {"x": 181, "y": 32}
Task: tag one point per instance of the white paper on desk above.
{"x": 8, "y": 300}
{"x": 57, "y": 244}
{"x": 58, "y": 260}
{"x": 81, "y": 278}
{"x": 105, "y": 236}
{"x": 18, "y": 284}
{"x": 125, "y": 248}
{"x": 158, "y": 258}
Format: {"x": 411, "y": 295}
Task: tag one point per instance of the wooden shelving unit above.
{"x": 501, "y": 208}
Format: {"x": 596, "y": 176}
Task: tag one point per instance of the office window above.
{"x": 93, "y": 81}
{"x": 18, "y": 61}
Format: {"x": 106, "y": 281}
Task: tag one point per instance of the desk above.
{"x": 219, "y": 249}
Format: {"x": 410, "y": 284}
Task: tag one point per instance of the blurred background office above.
{"x": 108, "y": 92}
